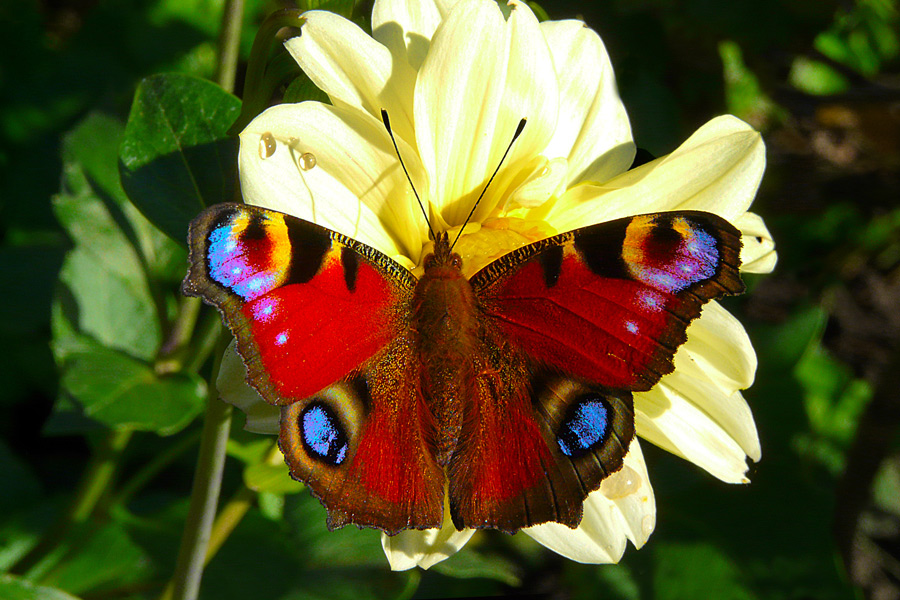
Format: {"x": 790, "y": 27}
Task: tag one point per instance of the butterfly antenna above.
{"x": 387, "y": 125}
{"x": 488, "y": 184}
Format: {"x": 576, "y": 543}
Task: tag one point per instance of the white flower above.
{"x": 456, "y": 78}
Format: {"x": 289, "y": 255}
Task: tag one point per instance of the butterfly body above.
{"x": 509, "y": 392}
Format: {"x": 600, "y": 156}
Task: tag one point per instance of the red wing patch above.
{"x": 610, "y": 303}
{"x": 308, "y": 306}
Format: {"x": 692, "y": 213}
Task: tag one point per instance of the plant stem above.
{"x": 171, "y": 355}
{"x": 229, "y": 44}
{"x": 185, "y": 583}
{"x": 254, "y": 97}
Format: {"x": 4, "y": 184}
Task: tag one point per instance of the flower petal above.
{"x": 623, "y": 508}
{"x": 234, "y": 389}
{"x": 356, "y": 187}
{"x": 666, "y": 418}
{"x": 405, "y": 27}
{"x": 719, "y": 346}
{"x": 593, "y": 132}
{"x": 758, "y": 253}
{"x": 354, "y": 69}
{"x": 697, "y": 411}
{"x": 424, "y": 548}
{"x": 466, "y": 111}
{"x": 718, "y": 169}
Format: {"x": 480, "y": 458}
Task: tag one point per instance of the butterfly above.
{"x": 507, "y": 395}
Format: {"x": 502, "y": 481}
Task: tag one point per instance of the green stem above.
{"x": 207, "y": 335}
{"x": 185, "y": 582}
{"x": 229, "y": 44}
{"x": 171, "y": 357}
{"x": 254, "y": 98}
{"x": 94, "y": 483}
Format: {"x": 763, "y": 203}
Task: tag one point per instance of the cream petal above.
{"x": 719, "y": 346}
{"x": 356, "y": 186}
{"x": 668, "y": 419}
{"x": 405, "y": 27}
{"x": 354, "y": 69}
{"x": 424, "y": 548}
{"x": 718, "y": 169}
{"x": 758, "y": 253}
{"x": 466, "y": 111}
{"x": 532, "y": 93}
{"x": 608, "y": 521}
{"x": 593, "y": 132}
{"x": 234, "y": 389}
{"x": 456, "y": 103}
{"x": 542, "y": 182}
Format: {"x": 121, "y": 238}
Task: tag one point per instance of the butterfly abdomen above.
{"x": 446, "y": 338}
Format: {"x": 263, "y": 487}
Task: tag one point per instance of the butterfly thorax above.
{"x": 446, "y": 334}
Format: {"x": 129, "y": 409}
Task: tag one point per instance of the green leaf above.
{"x": 91, "y": 558}
{"x": 120, "y": 391}
{"x": 93, "y": 147}
{"x": 13, "y": 588}
{"x": 320, "y": 547}
{"x": 266, "y": 477}
{"x": 176, "y": 158}
{"x": 114, "y": 309}
{"x": 816, "y": 78}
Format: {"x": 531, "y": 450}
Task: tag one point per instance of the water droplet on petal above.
{"x": 620, "y": 484}
{"x": 647, "y": 524}
{"x": 266, "y": 145}
{"x": 307, "y": 161}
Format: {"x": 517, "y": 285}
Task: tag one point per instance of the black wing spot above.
{"x": 551, "y": 263}
{"x": 308, "y": 248}
{"x": 350, "y": 262}
{"x": 602, "y": 250}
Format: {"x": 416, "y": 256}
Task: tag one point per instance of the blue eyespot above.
{"x": 694, "y": 258}
{"x": 586, "y": 425}
{"x": 322, "y": 434}
{"x": 230, "y": 266}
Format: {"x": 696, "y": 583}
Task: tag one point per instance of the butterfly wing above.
{"x": 582, "y": 319}
{"x": 321, "y": 322}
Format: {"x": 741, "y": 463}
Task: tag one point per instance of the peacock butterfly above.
{"x": 509, "y": 394}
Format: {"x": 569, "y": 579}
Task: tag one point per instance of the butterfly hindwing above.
{"x": 582, "y": 320}
{"x": 535, "y": 443}
{"x": 321, "y": 323}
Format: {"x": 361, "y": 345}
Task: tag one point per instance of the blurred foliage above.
{"x": 104, "y": 161}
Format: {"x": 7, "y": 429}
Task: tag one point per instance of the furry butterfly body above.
{"x": 509, "y": 393}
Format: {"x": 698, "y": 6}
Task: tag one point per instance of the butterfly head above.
{"x": 442, "y": 256}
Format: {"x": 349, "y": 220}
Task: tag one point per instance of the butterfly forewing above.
{"x": 611, "y": 303}
{"x": 320, "y": 322}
